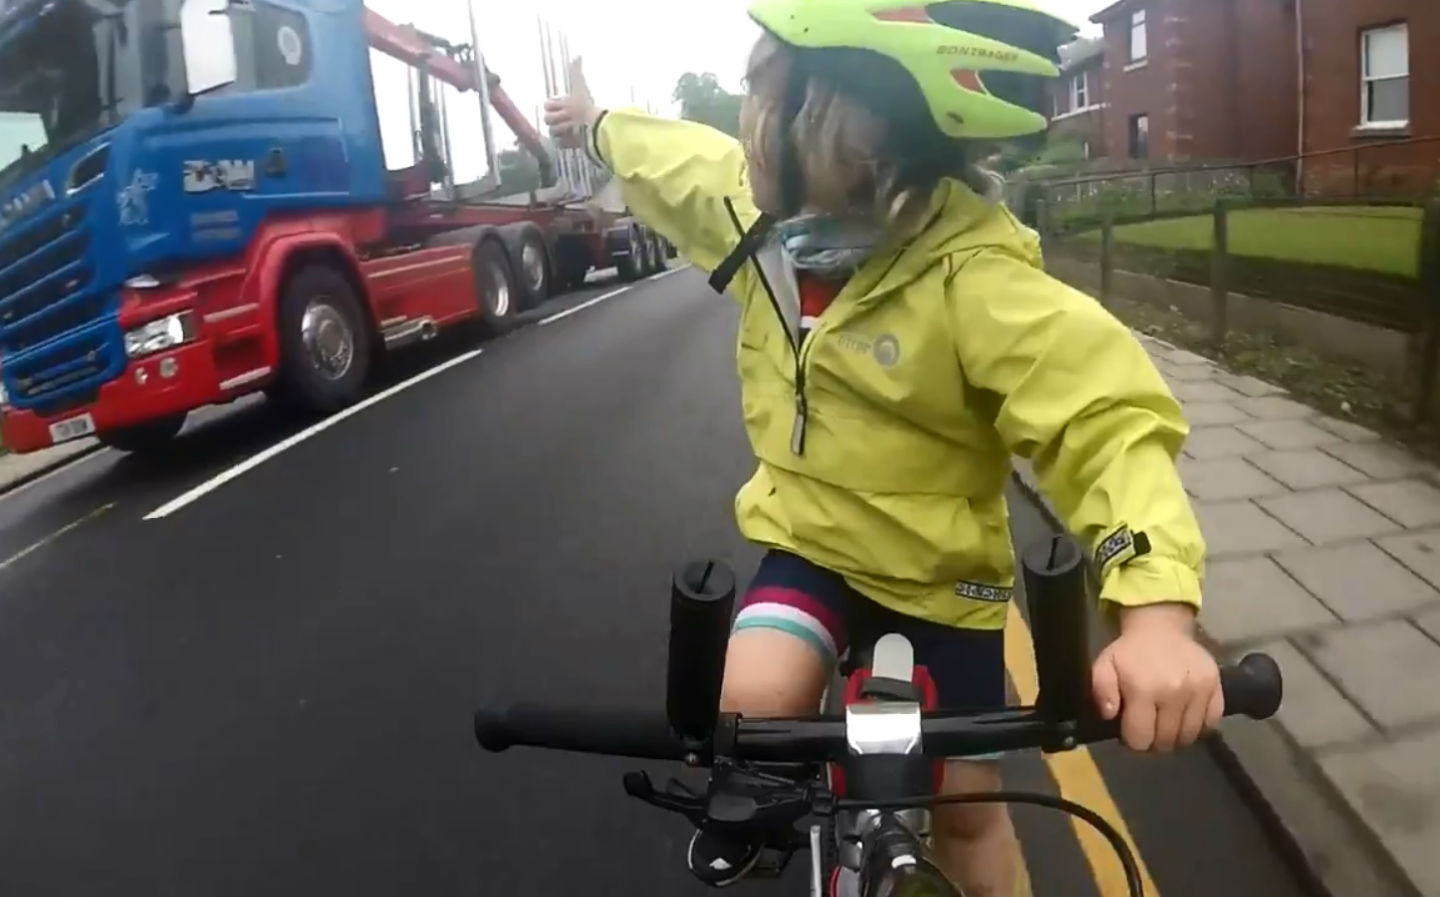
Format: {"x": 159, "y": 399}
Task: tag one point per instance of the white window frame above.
{"x": 1080, "y": 90}
{"x": 1366, "y": 79}
{"x": 1139, "y": 23}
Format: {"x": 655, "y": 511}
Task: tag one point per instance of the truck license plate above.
{"x": 72, "y": 428}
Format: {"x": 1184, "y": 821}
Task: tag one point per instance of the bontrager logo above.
{"x": 980, "y": 52}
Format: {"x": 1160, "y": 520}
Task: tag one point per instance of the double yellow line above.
{"x": 1076, "y": 774}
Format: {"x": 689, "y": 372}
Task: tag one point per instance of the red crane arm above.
{"x": 416, "y": 49}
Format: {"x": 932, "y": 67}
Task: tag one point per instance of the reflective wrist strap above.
{"x": 1119, "y": 548}
{"x": 590, "y": 138}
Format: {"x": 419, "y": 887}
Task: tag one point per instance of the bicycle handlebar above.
{"x": 1252, "y": 688}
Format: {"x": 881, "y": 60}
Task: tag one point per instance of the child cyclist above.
{"x": 898, "y": 343}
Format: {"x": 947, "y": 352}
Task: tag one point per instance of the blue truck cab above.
{"x": 143, "y": 145}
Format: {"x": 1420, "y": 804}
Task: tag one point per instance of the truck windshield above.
{"x": 71, "y": 72}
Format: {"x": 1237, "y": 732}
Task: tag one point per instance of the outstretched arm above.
{"x": 686, "y": 180}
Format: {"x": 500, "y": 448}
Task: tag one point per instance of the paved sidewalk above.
{"x": 17, "y": 470}
{"x": 1324, "y": 550}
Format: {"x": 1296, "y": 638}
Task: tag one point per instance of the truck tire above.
{"x": 657, "y": 252}
{"x": 145, "y": 438}
{"x": 530, "y": 260}
{"x": 496, "y": 287}
{"x": 324, "y": 341}
{"x": 632, "y": 266}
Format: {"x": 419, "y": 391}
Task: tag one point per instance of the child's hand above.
{"x": 568, "y": 116}
{"x": 1163, "y": 684}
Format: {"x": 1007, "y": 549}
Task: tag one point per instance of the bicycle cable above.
{"x": 1095, "y": 820}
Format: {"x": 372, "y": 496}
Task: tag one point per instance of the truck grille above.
{"x": 48, "y": 291}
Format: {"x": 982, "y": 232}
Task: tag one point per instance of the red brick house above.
{"x": 1078, "y": 97}
{"x": 1245, "y": 80}
{"x": 1199, "y": 79}
{"x": 1371, "y": 75}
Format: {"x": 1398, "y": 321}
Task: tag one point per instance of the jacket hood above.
{"x": 957, "y": 221}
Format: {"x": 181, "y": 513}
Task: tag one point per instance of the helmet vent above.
{"x": 970, "y": 80}
{"x": 916, "y": 14}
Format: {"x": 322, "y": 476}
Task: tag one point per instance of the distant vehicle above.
{"x": 195, "y": 204}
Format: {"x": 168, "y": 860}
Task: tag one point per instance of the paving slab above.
{"x": 1411, "y": 503}
{"x": 1328, "y": 515}
{"x": 1420, "y": 551}
{"x": 1380, "y": 460}
{"x": 1209, "y": 414}
{"x": 1205, "y": 443}
{"x": 1250, "y": 386}
{"x": 1389, "y": 669}
{"x": 1226, "y": 479}
{"x": 1203, "y": 391}
{"x": 1429, "y": 623}
{"x": 1287, "y": 433}
{"x": 1185, "y": 358}
{"x": 1358, "y": 581}
{"x": 1345, "y": 430}
{"x": 1248, "y": 599}
{"x": 1275, "y": 408}
{"x": 1314, "y": 711}
{"x": 1307, "y": 469}
{"x": 1235, "y": 528}
{"x": 1194, "y": 373}
{"x": 1395, "y": 787}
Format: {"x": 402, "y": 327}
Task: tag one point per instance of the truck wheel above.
{"x": 147, "y": 438}
{"x": 657, "y": 252}
{"x": 324, "y": 341}
{"x": 532, "y": 264}
{"x": 496, "y": 288}
{"x": 632, "y": 266}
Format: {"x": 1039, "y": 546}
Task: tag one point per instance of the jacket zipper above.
{"x": 797, "y": 350}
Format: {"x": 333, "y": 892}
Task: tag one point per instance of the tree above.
{"x": 702, "y": 99}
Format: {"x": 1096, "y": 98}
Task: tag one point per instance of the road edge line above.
{"x": 1329, "y": 849}
{"x": 1077, "y": 776}
{"x": 260, "y": 457}
{"x": 588, "y": 303}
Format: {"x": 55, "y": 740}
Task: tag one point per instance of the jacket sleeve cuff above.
{"x": 1151, "y": 580}
{"x": 592, "y": 140}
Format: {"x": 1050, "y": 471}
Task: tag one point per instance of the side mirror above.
{"x": 208, "y": 38}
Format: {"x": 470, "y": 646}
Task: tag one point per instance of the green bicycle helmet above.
{"x": 980, "y": 67}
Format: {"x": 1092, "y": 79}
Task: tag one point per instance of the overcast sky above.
{"x": 628, "y": 45}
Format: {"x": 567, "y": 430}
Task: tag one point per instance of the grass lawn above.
{"x": 1372, "y": 238}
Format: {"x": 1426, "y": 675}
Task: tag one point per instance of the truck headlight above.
{"x": 160, "y": 334}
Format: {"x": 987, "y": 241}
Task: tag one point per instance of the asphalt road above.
{"x": 268, "y": 690}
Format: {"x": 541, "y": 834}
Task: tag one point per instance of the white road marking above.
{"x": 259, "y": 458}
{"x": 599, "y": 299}
{"x": 55, "y": 535}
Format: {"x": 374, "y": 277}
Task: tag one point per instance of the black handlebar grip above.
{"x": 702, "y": 597}
{"x": 1057, "y": 594}
{"x": 644, "y": 735}
{"x": 1253, "y": 687}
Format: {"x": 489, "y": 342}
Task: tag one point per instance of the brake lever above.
{"x": 687, "y": 804}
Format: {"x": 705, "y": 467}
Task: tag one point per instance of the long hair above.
{"x": 870, "y": 153}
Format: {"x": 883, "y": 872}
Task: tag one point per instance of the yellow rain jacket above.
{"x": 946, "y": 353}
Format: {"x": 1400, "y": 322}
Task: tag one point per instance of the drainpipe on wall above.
{"x": 1300, "y": 95}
